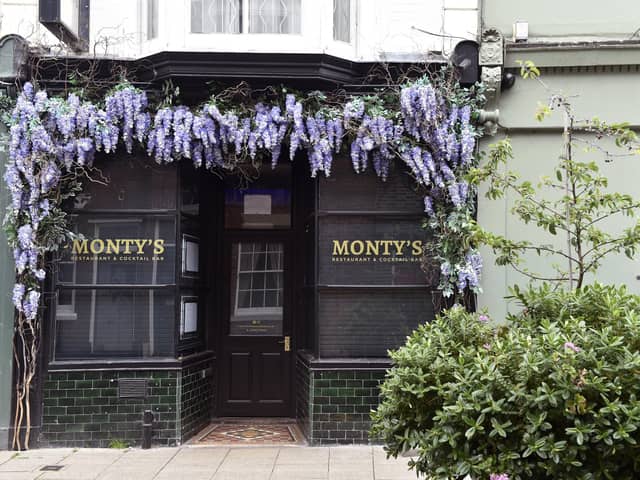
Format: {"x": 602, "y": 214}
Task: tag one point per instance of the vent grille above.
{"x": 132, "y": 388}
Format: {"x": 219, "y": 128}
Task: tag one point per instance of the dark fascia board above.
{"x": 196, "y": 69}
{"x": 264, "y": 66}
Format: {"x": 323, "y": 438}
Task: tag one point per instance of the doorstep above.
{"x": 260, "y": 432}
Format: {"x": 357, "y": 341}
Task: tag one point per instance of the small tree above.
{"x": 574, "y": 201}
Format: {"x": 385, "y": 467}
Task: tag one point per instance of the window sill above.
{"x": 129, "y": 363}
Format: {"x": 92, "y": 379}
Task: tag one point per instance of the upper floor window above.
{"x": 342, "y": 20}
{"x": 246, "y": 16}
{"x": 152, "y": 19}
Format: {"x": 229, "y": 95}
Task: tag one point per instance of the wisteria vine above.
{"x": 423, "y": 126}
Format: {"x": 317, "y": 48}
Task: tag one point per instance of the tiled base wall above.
{"x": 339, "y": 404}
{"x": 83, "y": 409}
{"x": 197, "y": 391}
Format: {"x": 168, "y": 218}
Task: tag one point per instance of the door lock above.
{"x": 287, "y": 343}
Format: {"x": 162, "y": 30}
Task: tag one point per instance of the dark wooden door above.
{"x": 255, "y": 342}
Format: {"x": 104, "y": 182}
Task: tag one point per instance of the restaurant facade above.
{"x": 197, "y": 296}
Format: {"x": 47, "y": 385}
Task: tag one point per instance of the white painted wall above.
{"x": 381, "y": 29}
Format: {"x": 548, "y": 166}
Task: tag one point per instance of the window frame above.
{"x": 349, "y": 21}
{"x": 244, "y": 22}
{"x": 179, "y": 287}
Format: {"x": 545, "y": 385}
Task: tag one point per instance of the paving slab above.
{"x": 303, "y": 456}
{"x": 207, "y": 463}
{"x": 33, "y": 460}
{"x": 6, "y": 455}
{"x": 19, "y": 475}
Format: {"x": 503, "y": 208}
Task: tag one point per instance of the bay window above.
{"x": 246, "y": 16}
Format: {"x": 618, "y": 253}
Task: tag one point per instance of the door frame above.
{"x": 228, "y": 237}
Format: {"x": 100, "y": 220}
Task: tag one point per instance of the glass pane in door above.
{"x": 257, "y": 277}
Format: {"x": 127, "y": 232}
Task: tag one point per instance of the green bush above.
{"x": 552, "y": 394}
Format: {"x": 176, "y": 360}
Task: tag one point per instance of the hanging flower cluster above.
{"x": 50, "y": 136}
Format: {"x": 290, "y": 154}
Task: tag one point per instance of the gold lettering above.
{"x": 97, "y": 246}
{"x": 79, "y": 247}
{"x": 113, "y": 246}
{"x": 158, "y": 246}
{"x": 417, "y": 247}
{"x": 373, "y": 248}
{"x": 360, "y": 248}
{"x": 340, "y": 248}
{"x": 399, "y": 244}
{"x": 386, "y": 244}
{"x": 127, "y": 242}
{"x": 140, "y": 244}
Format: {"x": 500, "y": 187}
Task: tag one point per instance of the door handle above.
{"x": 287, "y": 343}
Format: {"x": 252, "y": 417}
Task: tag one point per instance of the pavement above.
{"x": 205, "y": 463}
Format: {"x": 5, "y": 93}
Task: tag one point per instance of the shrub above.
{"x": 552, "y": 394}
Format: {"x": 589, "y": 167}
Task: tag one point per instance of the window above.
{"x": 265, "y": 204}
{"x": 372, "y": 290}
{"x": 257, "y": 281}
{"x": 152, "y": 19}
{"x": 342, "y": 20}
{"x": 116, "y": 279}
{"x": 246, "y": 16}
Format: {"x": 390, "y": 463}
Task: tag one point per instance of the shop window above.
{"x": 342, "y": 20}
{"x": 114, "y": 323}
{"x": 117, "y": 186}
{"x": 116, "y": 278}
{"x": 373, "y": 287}
{"x": 246, "y": 16}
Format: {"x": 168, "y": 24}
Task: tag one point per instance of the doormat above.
{"x": 246, "y": 432}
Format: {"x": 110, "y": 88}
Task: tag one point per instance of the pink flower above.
{"x": 483, "y": 318}
{"x": 572, "y": 346}
{"x": 496, "y": 476}
{"x": 487, "y": 346}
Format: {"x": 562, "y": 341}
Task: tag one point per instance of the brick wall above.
{"x": 196, "y": 398}
{"x": 82, "y": 409}
{"x": 334, "y": 405}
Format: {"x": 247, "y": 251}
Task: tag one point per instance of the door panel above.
{"x": 239, "y": 377}
{"x": 270, "y": 386}
{"x": 255, "y": 367}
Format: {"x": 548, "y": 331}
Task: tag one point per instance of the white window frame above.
{"x": 244, "y": 311}
{"x": 339, "y": 48}
{"x": 159, "y": 42}
{"x": 334, "y": 3}
{"x": 307, "y": 41}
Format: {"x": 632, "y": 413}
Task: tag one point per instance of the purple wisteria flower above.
{"x": 18, "y": 295}
{"x": 50, "y": 136}
{"x": 30, "y": 304}
{"x": 469, "y": 273}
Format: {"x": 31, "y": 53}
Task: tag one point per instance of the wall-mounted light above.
{"x": 520, "y": 31}
{"x": 465, "y": 59}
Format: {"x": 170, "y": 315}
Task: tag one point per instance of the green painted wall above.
{"x": 612, "y": 93}
{"x": 6, "y": 312}
{"x": 565, "y": 18}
